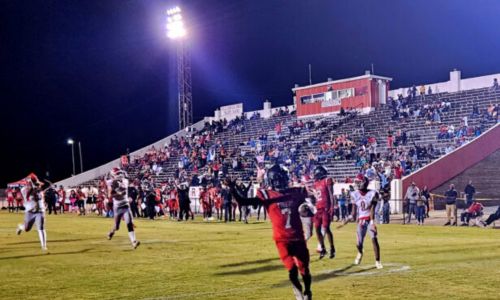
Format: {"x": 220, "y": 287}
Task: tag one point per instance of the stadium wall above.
{"x": 454, "y": 84}
{"x": 456, "y": 162}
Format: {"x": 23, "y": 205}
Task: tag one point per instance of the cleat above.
{"x": 322, "y": 253}
{"x": 297, "y": 293}
{"x": 19, "y": 229}
{"x": 110, "y": 235}
{"x": 378, "y": 265}
{"x": 307, "y": 296}
{"x": 45, "y": 249}
{"x": 332, "y": 253}
{"x": 136, "y": 244}
{"x": 447, "y": 223}
{"x": 358, "y": 258}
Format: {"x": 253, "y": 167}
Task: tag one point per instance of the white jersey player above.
{"x": 118, "y": 193}
{"x": 34, "y": 210}
{"x": 363, "y": 207}
{"x": 307, "y": 209}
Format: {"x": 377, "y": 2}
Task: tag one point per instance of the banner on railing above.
{"x": 229, "y": 112}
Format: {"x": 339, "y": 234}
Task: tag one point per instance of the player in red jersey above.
{"x": 282, "y": 204}
{"x": 10, "y": 199}
{"x": 171, "y": 202}
{"x": 322, "y": 190}
{"x": 217, "y": 202}
{"x": 205, "y": 203}
{"x": 19, "y": 199}
{"x": 62, "y": 199}
{"x": 101, "y": 197}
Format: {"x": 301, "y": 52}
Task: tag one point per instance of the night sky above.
{"x": 103, "y": 72}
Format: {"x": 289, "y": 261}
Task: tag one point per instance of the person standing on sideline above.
{"x": 421, "y": 209}
{"x": 62, "y": 199}
{"x": 427, "y": 195}
{"x": 451, "y": 205}
{"x": 244, "y": 210}
{"x": 227, "y": 200}
{"x": 343, "y": 204}
{"x": 132, "y": 195}
{"x": 386, "y": 206}
{"x": 51, "y": 199}
{"x": 412, "y": 194}
{"x": 183, "y": 196}
{"x": 469, "y": 192}
{"x": 10, "y": 199}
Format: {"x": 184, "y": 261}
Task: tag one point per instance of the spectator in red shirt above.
{"x": 398, "y": 171}
{"x": 475, "y": 210}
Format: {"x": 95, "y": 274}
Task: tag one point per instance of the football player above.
{"x": 364, "y": 202}
{"x": 34, "y": 209}
{"x": 322, "y": 190}
{"x": 117, "y": 192}
{"x": 282, "y": 204}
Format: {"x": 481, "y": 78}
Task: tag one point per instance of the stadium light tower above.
{"x": 72, "y": 144}
{"x": 177, "y": 32}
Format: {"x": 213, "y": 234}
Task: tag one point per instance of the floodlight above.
{"x": 175, "y": 25}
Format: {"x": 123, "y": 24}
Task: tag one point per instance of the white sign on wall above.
{"x": 330, "y": 99}
{"x": 229, "y": 112}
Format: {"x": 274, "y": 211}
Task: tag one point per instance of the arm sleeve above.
{"x": 244, "y": 201}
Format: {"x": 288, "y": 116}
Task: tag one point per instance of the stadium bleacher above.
{"x": 376, "y": 124}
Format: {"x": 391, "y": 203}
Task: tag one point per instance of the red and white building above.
{"x": 362, "y": 93}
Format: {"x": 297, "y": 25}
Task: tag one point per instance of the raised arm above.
{"x": 243, "y": 200}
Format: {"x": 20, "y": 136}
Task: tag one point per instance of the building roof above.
{"x": 368, "y": 76}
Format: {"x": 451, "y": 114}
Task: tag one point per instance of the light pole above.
{"x": 81, "y": 160}
{"x": 177, "y": 31}
{"x": 72, "y": 143}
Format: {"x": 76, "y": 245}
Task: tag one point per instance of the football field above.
{"x": 198, "y": 260}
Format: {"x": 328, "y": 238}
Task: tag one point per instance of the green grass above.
{"x": 237, "y": 261}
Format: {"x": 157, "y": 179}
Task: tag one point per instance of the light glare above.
{"x": 175, "y": 25}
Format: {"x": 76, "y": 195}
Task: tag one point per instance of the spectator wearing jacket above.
{"x": 412, "y": 195}
{"x": 451, "y": 205}
{"x": 469, "y": 192}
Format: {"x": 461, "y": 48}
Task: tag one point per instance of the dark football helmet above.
{"x": 277, "y": 178}
{"x": 320, "y": 173}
